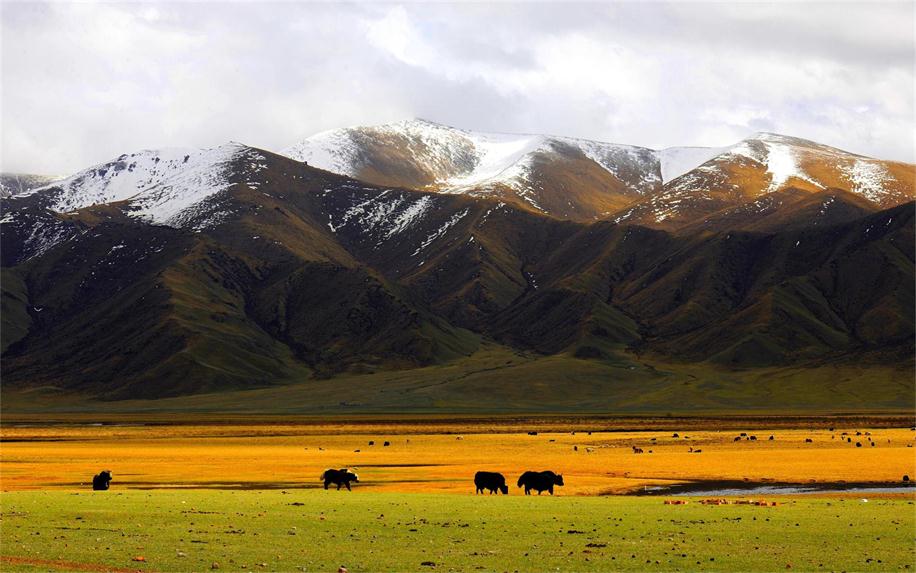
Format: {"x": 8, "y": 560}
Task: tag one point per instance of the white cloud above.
{"x": 82, "y": 83}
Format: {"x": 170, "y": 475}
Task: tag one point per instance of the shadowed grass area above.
{"x": 321, "y": 530}
{"x": 498, "y": 380}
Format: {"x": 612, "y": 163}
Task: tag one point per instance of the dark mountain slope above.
{"x": 131, "y": 309}
{"x": 292, "y": 273}
{"x": 789, "y": 294}
{"x": 788, "y": 209}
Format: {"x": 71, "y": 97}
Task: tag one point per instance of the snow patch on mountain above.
{"x": 868, "y": 178}
{"x": 414, "y": 212}
{"x": 332, "y": 150}
{"x": 452, "y": 221}
{"x": 778, "y": 154}
{"x": 637, "y": 166}
{"x": 782, "y": 164}
{"x": 161, "y": 186}
{"x": 470, "y": 162}
{"x": 384, "y": 215}
{"x": 500, "y": 158}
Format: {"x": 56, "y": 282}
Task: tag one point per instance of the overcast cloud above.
{"x": 83, "y": 83}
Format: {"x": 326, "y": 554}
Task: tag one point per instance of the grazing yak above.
{"x": 340, "y": 477}
{"x": 539, "y": 481}
{"x": 101, "y": 481}
{"x": 495, "y": 482}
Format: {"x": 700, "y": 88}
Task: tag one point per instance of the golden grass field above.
{"x": 432, "y": 456}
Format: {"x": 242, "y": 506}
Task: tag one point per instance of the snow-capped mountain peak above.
{"x": 161, "y": 185}
{"x": 585, "y": 179}
{"x": 422, "y": 154}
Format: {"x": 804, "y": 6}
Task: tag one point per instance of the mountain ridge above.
{"x": 589, "y": 180}
{"x": 282, "y": 273}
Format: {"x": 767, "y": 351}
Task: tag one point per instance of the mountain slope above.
{"x": 587, "y": 180}
{"x": 756, "y": 171}
{"x": 536, "y": 172}
{"x": 18, "y": 183}
{"x": 237, "y": 268}
{"x": 134, "y": 309}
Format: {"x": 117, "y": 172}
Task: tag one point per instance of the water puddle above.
{"x": 716, "y": 489}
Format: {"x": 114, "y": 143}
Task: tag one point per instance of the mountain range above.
{"x": 551, "y": 271}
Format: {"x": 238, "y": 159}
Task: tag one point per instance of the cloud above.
{"x": 82, "y": 83}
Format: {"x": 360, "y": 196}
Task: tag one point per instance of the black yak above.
{"x": 340, "y": 477}
{"x": 495, "y": 482}
{"x": 101, "y": 481}
{"x": 539, "y": 481}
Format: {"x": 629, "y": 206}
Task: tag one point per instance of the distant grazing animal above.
{"x": 532, "y": 433}
{"x": 371, "y": 443}
{"x": 340, "y": 477}
{"x": 809, "y": 441}
{"x": 637, "y": 450}
{"x": 386, "y": 444}
{"x": 753, "y": 438}
{"x": 539, "y": 481}
{"x": 772, "y": 438}
{"x": 675, "y": 435}
{"x": 493, "y": 481}
{"x": 101, "y": 481}
{"x": 737, "y": 439}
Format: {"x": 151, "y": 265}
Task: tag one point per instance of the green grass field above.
{"x": 497, "y": 380}
{"x": 317, "y": 530}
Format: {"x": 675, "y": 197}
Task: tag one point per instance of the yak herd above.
{"x": 537, "y": 481}
{"x": 492, "y": 481}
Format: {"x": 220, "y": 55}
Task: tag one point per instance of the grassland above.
{"x": 247, "y": 496}
{"x": 497, "y": 380}
{"x": 364, "y": 531}
{"x": 441, "y": 457}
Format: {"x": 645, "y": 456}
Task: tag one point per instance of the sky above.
{"x": 81, "y": 83}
